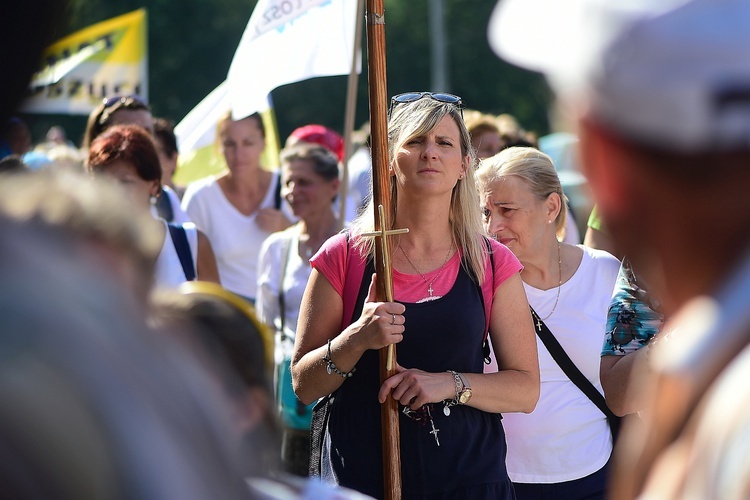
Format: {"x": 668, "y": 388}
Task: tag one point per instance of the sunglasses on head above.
{"x": 125, "y": 101}
{"x": 112, "y": 104}
{"x": 437, "y": 96}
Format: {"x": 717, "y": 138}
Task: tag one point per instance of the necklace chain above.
{"x": 429, "y": 283}
{"x": 559, "y": 282}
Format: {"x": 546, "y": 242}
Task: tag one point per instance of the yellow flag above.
{"x": 105, "y": 59}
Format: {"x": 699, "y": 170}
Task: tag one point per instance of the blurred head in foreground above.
{"x": 221, "y": 329}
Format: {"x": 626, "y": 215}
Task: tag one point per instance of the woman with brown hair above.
{"x": 127, "y": 153}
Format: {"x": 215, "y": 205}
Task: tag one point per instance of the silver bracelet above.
{"x": 331, "y": 367}
{"x": 447, "y": 403}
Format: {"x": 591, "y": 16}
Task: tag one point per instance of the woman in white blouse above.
{"x": 239, "y": 208}
{"x": 310, "y": 179}
{"x": 562, "y": 448}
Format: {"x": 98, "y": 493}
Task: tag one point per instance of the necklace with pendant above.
{"x": 557, "y": 297}
{"x": 433, "y": 280}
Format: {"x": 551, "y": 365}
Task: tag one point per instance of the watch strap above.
{"x": 464, "y": 382}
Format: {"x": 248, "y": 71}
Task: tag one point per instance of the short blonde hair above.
{"x": 535, "y": 168}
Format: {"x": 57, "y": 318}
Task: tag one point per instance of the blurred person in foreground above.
{"x": 89, "y": 408}
{"x": 110, "y": 234}
{"x": 310, "y": 176}
{"x": 569, "y": 288}
{"x": 221, "y": 329}
{"x": 660, "y": 93}
{"x": 128, "y": 154}
{"x": 451, "y": 285}
{"x": 94, "y": 406}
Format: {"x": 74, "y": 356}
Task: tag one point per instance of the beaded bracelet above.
{"x": 332, "y": 368}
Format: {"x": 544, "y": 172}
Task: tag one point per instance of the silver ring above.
{"x": 393, "y": 319}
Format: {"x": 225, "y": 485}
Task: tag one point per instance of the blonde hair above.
{"x": 414, "y": 119}
{"x": 532, "y": 166}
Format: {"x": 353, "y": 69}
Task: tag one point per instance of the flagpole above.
{"x": 378, "y": 94}
{"x": 351, "y": 109}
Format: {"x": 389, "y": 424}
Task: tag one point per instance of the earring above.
{"x": 549, "y": 222}
{"x": 152, "y": 199}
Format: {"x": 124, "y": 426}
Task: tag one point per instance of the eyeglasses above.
{"x": 437, "y": 96}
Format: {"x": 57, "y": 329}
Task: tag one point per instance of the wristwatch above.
{"x": 464, "y": 395}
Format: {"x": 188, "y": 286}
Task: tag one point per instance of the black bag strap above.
{"x": 181, "y": 245}
{"x": 164, "y": 206}
{"x": 277, "y": 194}
{"x": 573, "y": 373}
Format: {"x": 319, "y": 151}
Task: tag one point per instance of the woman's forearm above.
{"x": 310, "y": 374}
{"x": 504, "y": 391}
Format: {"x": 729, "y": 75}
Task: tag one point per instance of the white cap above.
{"x": 674, "y": 74}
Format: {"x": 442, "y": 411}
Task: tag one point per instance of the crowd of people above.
{"x": 223, "y": 339}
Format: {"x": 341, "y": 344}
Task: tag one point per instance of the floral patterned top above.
{"x": 633, "y": 317}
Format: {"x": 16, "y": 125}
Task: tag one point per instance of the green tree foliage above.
{"x": 191, "y": 44}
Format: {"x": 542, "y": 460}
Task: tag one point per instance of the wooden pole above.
{"x": 350, "y": 113}
{"x": 378, "y": 94}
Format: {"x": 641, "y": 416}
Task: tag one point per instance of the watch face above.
{"x": 464, "y": 397}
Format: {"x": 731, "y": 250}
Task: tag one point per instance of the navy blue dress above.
{"x": 444, "y": 334}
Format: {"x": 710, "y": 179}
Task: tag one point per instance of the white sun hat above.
{"x": 674, "y": 74}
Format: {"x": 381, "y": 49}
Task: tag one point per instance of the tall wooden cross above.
{"x": 378, "y": 94}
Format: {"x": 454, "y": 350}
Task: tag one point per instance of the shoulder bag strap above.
{"x": 282, "y": 301}
{"x": 181, "y": 245}
{"x": 573, "y": 373}
{"x": 164, "y": 206}
{"x": 277, "y": 194}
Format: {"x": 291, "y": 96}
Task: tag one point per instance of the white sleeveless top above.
{"x": 168, "y": 272}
